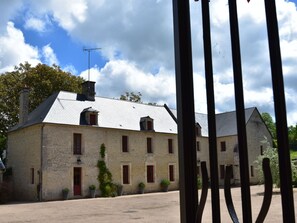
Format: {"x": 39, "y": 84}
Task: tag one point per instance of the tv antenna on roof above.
{"x": 89, "y": 58}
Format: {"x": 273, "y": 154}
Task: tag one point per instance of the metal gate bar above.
{"x": 212, "y": 140}
{"x": 240, "y": 115}
{"x": 186, "y": 118}
{"x": 280, "y": 113}
{"x": 185, "y": 111}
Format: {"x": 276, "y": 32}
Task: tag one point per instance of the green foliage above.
{"x": 293, "y": 154}
{"x": 141, "y": 185}
{"x": 270, "y": 125}
{"x": 292, "y": 136}
{"x": 199, "y": 182}
{"x": 165, "y": 183}
{"x": 65, "y": 190}
{"x": 42, "y": 81}
{"x": 106, "y": 186}
{"x": 272, "y": 154}
{"x": 92, "y": 187}
{"x": 102, "y": 151}
{"x": 3, "y": 139}
{"x": 131, "y": 96}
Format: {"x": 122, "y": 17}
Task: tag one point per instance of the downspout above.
{"x": 41, "y": 164}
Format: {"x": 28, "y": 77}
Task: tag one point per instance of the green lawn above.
{"x": 293, "y": 154}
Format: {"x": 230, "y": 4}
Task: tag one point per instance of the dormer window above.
{"x": 198, "y": 129}
{"x": 89, "y": 116}
{"x": 147, "y": 123}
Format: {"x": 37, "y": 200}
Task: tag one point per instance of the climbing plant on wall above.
{"x": 106, "y": 186}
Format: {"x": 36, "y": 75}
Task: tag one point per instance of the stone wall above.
{"x": 59, "y": 161}
{"x": 23, "y": 155}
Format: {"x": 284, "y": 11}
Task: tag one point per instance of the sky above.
{"x": 137, "y": 47}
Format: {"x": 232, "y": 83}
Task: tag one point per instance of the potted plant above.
{"x": 119, "y": 188}
{"x": 65, "y": 193}
{"x": 164, "y": 185}
{"x": 92, "y": 189}
{"x": 141, "y": 187}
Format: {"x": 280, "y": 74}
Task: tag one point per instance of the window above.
{"x": 89, "y": 116}
{"x": 149, "y": 148}
{"x": 77, "y": 144}
{"x": 261, "y": 150}
{"x": 150, "y": 174}
{"x": 93, "y": 119}
{"x": 126, "y": 175}
{"x": 124, "y": 144}
{"x": 252, "y": 171}
{"x": 170, "y": 146}
{"x": 171, "y": 173}
{"x": 32, "y": 175}
{"x": 223, "y": 146}
{"x": 147, "y": 123}
{"x": 198, "y": 146}
{"x": 222, "y": 171}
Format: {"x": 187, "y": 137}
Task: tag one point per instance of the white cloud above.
{"x": 67, "y": 13}
{"x": 49, "y": 55}
{"x": 14, "y": 49}
{"x": 137, "y": 39}
{"x": 35, "y": 24}
{"x": 9, "y": 9}
{"x": 71, "y": 69}
{"x": 120, "y": 76}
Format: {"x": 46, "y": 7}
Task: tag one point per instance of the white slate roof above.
{"x": 64, "y": 108}
{"x": 226, "y": 123}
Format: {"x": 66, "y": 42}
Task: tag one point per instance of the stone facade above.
{"x": 58, "y": 147}
{"x": 25, "y": 159}
{"x": 257, "y": 138}
{"x": 58, "y": 160}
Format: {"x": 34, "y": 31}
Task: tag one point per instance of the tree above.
{"x": 272, "y": 154}
{"x": 270, "y": 125}
{"x": 131, "y": 96}
{"x": 292, "y": 135}
{"x": 42, "y": 81}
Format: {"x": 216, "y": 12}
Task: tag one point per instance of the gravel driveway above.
{"x": 154, "y": 207}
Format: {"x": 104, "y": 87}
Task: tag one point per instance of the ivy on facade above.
{"x": 106, "y": 186}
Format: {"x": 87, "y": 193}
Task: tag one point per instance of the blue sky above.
{"x": 137, "y": 52}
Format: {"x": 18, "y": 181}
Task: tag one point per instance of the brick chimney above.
{"x": 24, "y": 105}
{"x": 88, "y": 90}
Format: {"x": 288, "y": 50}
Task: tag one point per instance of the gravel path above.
{"x": 154, "y": 207}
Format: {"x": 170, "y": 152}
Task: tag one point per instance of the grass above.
{"x": 293, "y": 154}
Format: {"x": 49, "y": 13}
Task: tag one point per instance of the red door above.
{"x": 77, "y": 180}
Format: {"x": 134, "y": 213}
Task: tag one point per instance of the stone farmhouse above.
{"x": 57, "y": 145}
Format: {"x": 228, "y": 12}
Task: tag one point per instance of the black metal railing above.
{"x": 190, "y": 210}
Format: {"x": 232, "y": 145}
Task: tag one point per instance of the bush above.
{"x": 272, "y": 154}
